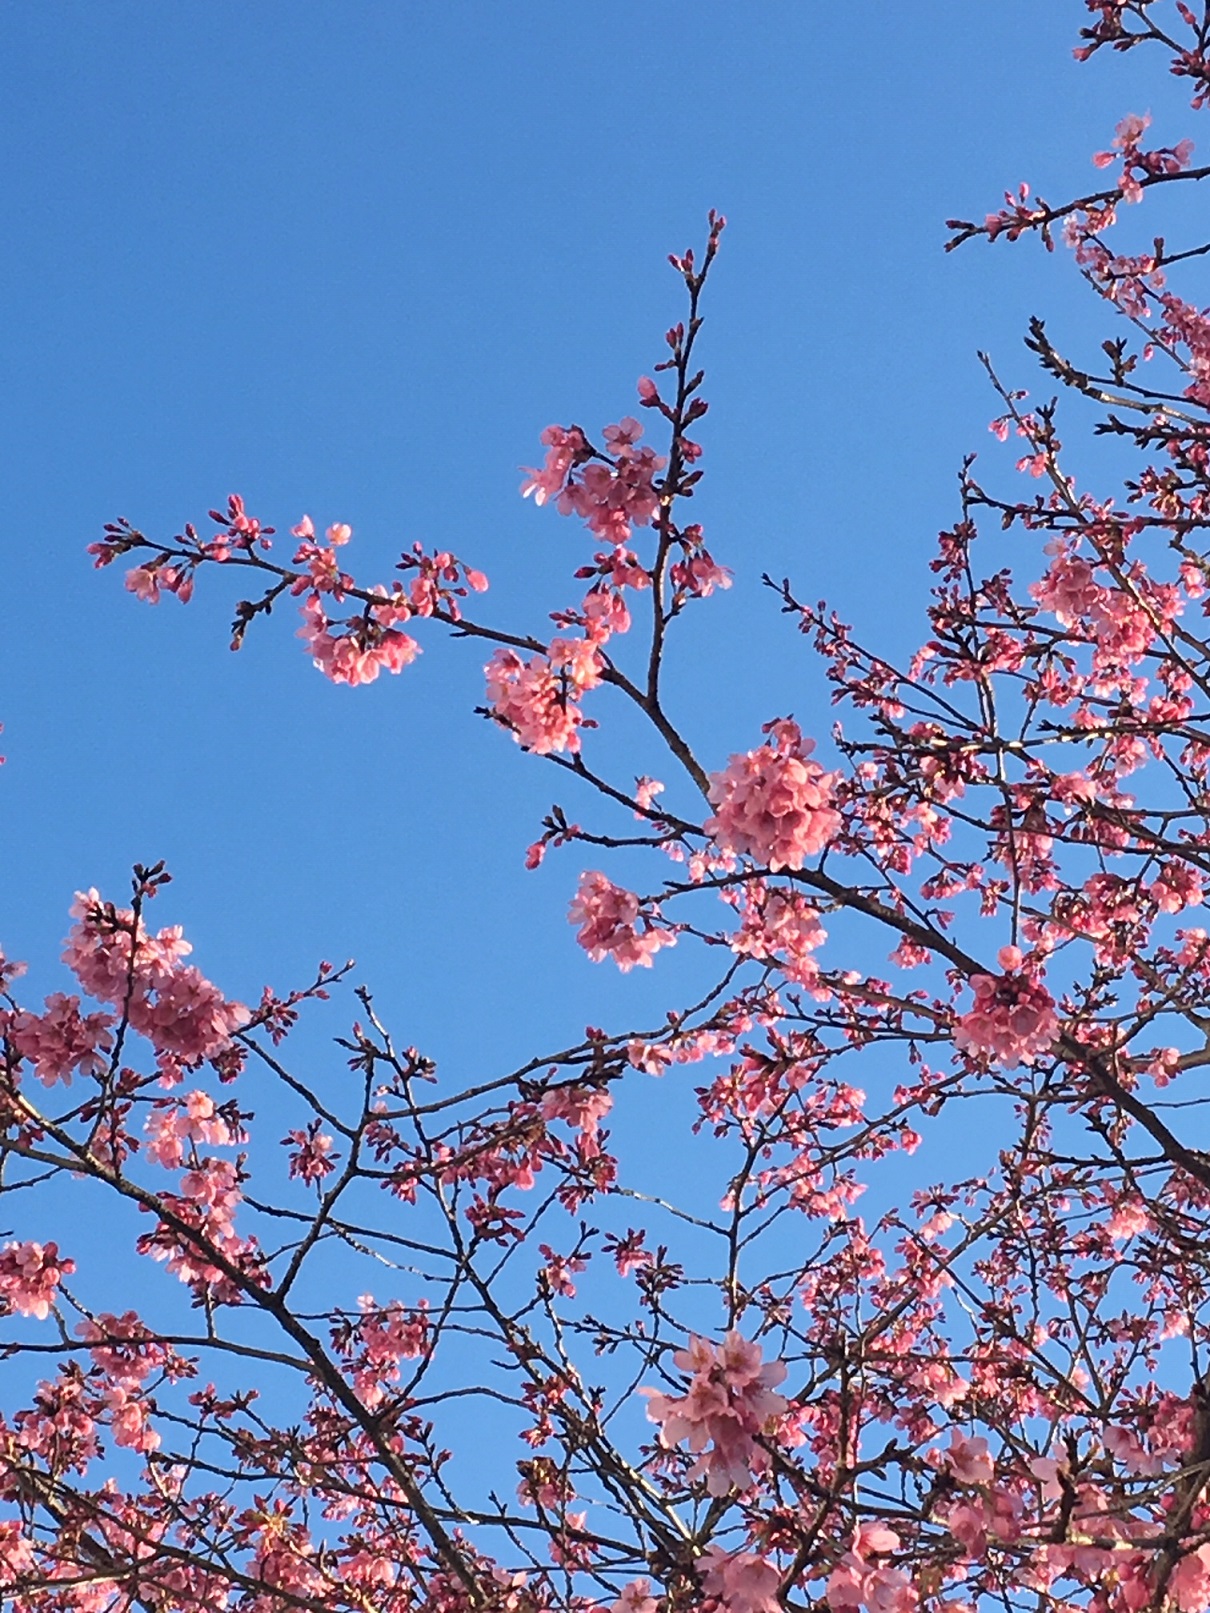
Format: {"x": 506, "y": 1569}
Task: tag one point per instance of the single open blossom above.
{"x": 966, "y": 1458}
{"x": 729, "y": 1401}
{"x": 774, "y": 803}
{"x": 610, "y": 919}
{"x": 635, "y": 1598}
{"x": 1013, "y": 1019}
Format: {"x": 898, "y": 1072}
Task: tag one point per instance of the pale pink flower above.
{"x": 741, "y": 1581}
{"x": 578, "y": 659}
{"x": 378, "y": 1340}
{"x": 645, "y": 792}
{"x": 729, "y": 1401}
{"x": 174, "y": 1125}
{"x": 635, "y": 1598}
{"x": 123, "y": 1347}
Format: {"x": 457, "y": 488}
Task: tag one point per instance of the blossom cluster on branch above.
{"x": 927, "y": 1329}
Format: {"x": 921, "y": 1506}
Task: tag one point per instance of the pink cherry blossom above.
{"x": 610, "y": 919}
{"x": 859, "y": 1582}
{"x": 582, "y": 1108}
{"x": 311, "y": 1153}
{"x": 538, "y": 699}
{"x": 1013, "y": 1019}
{"x": 774, "y": 803}
{"x": 361, "y": 647}
{"x": 1189, "y": 1586}
{"x": 1177, "y": 886}
{"x": 61, "y": 1040}
{"x": 781, "y": 924}
{"x": 375, "y": 1342}
{"x": 564, "y": 449}
{"x": 966, "y": 1458}
{"x": 175, "y": 1124}
{"x": 30, "y": 1274}
{"x": 115, "y": 959}
{"x": 742, "y": 1581}
{"x": 729, "y": 1401}
{"x": 635, "y": 1598}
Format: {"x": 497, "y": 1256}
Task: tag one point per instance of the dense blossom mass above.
{"x": 1013, "y": 1018}
{"x": 775, "y": 803}
{"x": 893, "y": 1217}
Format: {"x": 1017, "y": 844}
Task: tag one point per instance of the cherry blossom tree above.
{"x": 497, "y": 1370}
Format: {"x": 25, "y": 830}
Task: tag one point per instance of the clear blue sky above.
{"x": 350, "y": 260}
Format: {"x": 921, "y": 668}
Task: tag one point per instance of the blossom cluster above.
{"x": 61, "y": 1040}
{"x": 1013, "y": 1019}
{"x": 613, "y": 492}
{"x": 730, "y": 1401}
{"x": 118, "y": 961}
{"x": 613, "y": 924}
{"x": 373, "y": 1343}
{"x": 30, "y": 1274}
{"x": 538, "y": 699}
{"x": 774, "y": 803}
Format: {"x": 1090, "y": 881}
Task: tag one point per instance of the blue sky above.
{"x": 351, "y": 261}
